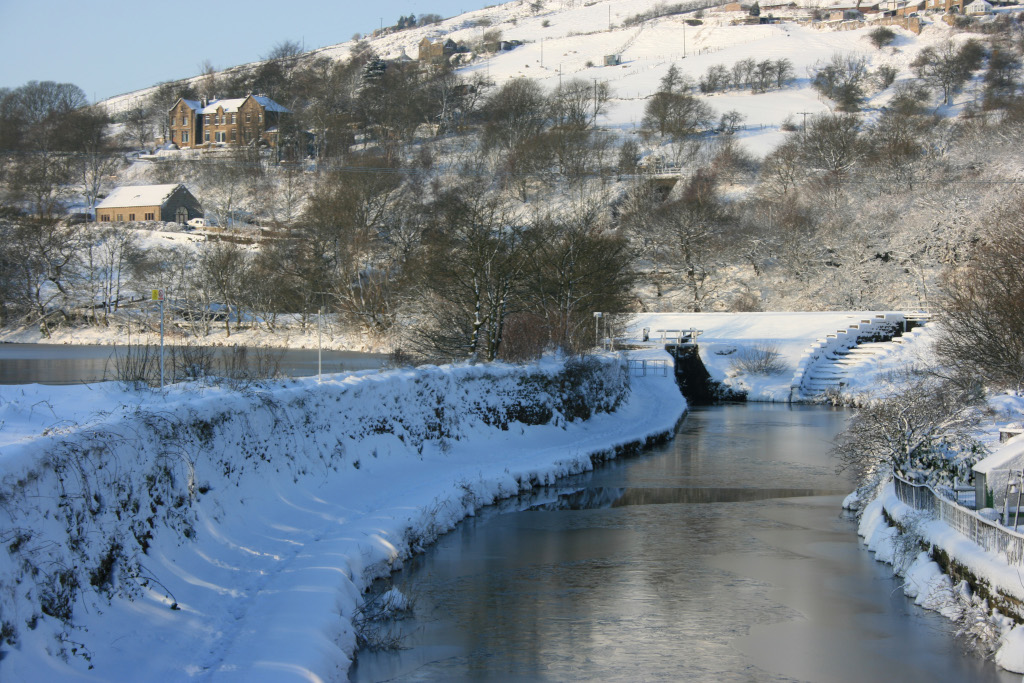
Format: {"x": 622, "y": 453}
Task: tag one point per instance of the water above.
{"x": 722, "y": 556}
{"x": 66, "y": 364}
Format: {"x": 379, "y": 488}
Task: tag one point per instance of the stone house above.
{"x": 242, "y": 121}
{"x": 433, "y": 53}
{"x": 169, "y": 203}
{"x": 945, "y": 5}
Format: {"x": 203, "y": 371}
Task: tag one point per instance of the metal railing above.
{"x": 648, "y": 368}
{"x": 990, "y": 535}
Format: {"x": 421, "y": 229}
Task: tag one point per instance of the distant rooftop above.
{"x": 138, "y": 195}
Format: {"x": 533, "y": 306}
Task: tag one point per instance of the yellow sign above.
{"x": 158, "y": 295}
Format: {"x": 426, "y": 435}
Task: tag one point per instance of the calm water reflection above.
{"x": 67, "y": 364}
{"x": 722, "y": 556}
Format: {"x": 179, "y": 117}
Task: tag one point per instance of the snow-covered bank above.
{"x": 230, "y": 535}
{"x": 976, "y": 611}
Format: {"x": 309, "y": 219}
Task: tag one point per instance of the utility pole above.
{"x": 805, "y": 113}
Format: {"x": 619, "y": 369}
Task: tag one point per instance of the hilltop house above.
{"x": 168, "y": 203}
{"x": 241, "y": 121}
{"x": 431, "y": 52}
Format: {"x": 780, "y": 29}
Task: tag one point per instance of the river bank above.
{"x": 231, "y": 534}
{"x": 294, "y": 336}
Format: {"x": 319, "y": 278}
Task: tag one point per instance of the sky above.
{"x": 110, "y": 47}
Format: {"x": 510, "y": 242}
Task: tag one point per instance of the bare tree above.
{"x": 983, "y": 306}
{"x": 948, "y": 65}
{"x": 471, "y": 276}
{"x": 842, "y": 79}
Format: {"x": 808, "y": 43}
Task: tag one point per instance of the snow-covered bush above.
{"x": 923, "y": 431}
{"x": 760, "y": 359}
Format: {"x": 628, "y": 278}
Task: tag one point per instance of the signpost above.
{"x": 158, "y": 295}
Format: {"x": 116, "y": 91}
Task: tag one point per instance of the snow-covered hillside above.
{"x": 229, "y": 535}
{"x": 570, "y": 40}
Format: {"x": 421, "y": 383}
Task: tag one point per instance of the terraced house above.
{"x": 254, "y": 119}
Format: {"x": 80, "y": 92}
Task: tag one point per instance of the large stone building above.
{"x": 241, "y": 121}
{"x": 170, "y": 203}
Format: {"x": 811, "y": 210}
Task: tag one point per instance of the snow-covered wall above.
{"x": 230, "y": 534}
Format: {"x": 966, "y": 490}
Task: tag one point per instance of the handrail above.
{"x": 988, "y": 534}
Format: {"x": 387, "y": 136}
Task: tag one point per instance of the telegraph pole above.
{"x": 805, "y": 113}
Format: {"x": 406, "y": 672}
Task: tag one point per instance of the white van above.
{"x": 197, "y": 223}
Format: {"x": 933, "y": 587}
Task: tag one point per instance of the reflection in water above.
{"x": 607, "y": 497}
{"x": 721, "y": 556}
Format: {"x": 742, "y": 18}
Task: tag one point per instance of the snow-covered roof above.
{"x": 977, "y": 7}
{"x": 271, "y": 105}
{"x": 1009, "y": 456}
{"x": 138, "y": 195}
{"x": 233, "y": 105}
{"x": 226, "y": 105}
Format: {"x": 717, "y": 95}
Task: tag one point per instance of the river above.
{"x": 723, "y": 555}
{"x": 68, "y": 364}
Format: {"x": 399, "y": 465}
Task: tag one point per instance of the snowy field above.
{"x": 302, "y": 493}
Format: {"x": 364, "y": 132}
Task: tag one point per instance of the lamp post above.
{"x": 597, "y": 327}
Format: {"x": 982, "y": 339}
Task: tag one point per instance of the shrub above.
{"x": 885, "y": 76}
{"x": 924, "y": 428}
{"x": 760, "y": 359}
{"x": 882, "y": 36}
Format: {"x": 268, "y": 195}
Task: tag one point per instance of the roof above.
{"x": 138, "y": 195}
{"x": 233, "y": 105}
{"x": 194, "y": 105}
{"x": 1008, "y": 456}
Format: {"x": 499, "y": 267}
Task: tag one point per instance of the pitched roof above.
{"x": 138, "y": 195}
{"x": 271, "y": 105}
{"x": 233, "y": 105}
{"x": 194, "y": 105}
{"x": 226, "y": 105}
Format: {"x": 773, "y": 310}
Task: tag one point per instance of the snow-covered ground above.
{"x": 570, "y": 40}
{"x": 264, "y": 512}
{"x": 725, "y": 336}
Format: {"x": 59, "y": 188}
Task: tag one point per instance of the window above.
{"x": 120, "y": 217}
{"x": 234, "y": 135}
{"x": 220, "y": 136}
{"x": 150, "y": 217}
{"x": 206, "y": 136}
{"x": 207, "y": 119}
{"x": 248, "y": 117}
{"x": 261, "y": 117}
{"x": 105, "y": 217}
{"x": 131, "y": 216}
{"x": 184, "y": 136}
{"x": 184, "y": 120}
{"x": 234, "y": 118}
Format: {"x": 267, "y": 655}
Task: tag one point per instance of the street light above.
{"x": 597, "y": 327}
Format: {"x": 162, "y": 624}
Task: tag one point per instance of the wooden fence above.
{"x": 990, "y": 535}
